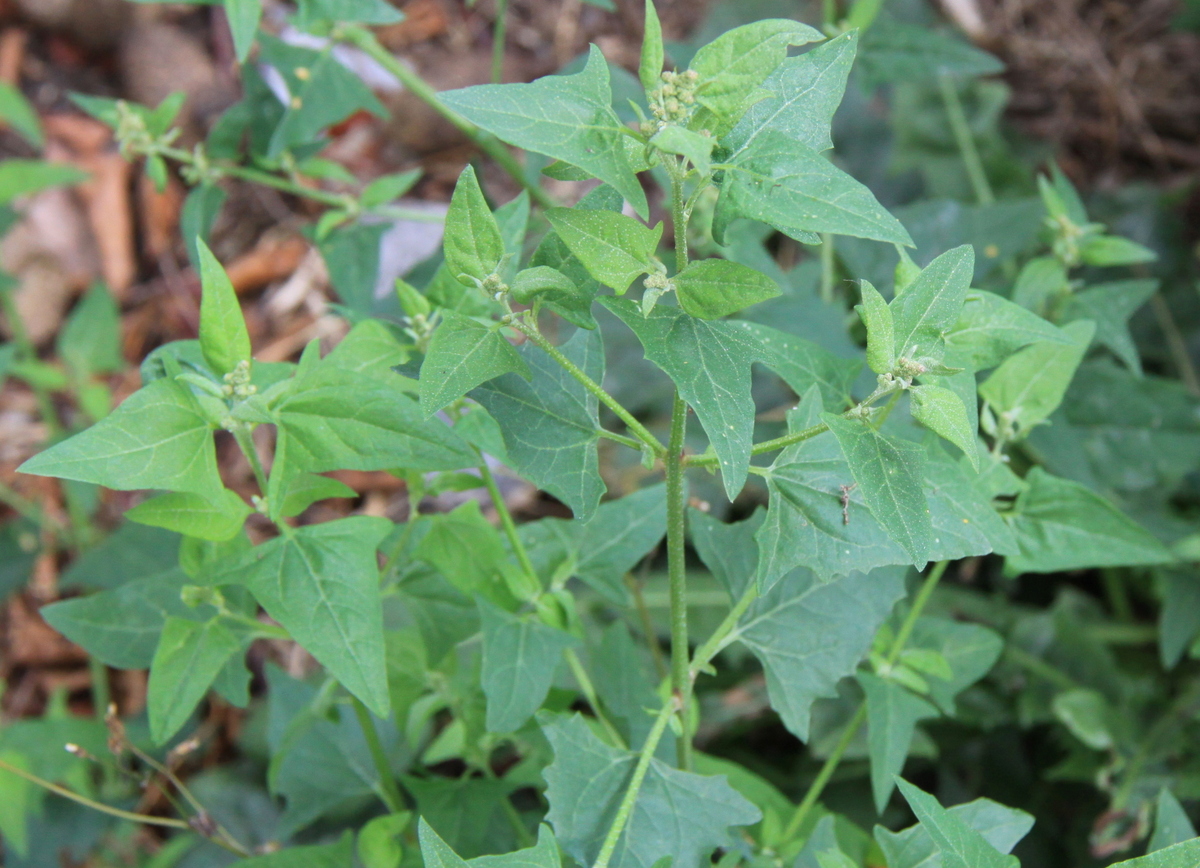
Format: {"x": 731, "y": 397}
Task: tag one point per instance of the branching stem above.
{"x": 389, "y": 790}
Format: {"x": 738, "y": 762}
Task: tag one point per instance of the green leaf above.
{"x": 567, "y": 117}
{"x": 1000, "y": 826}
{"x": 614, "y": 249}
{"x": 200, "y": 210}
{"x": 713, "y": 288}
{"x": 473, "y": 244}
{"x": 90, "y": 342}
{"x": 347, "y": 11}
{"x": 351, "y": 254}
{"x": 157, "y": 438}
{"x": 786, "y": 184}
{"x": 931, "y": 305}
{"x": 379, "y": 843}
{"x": 121, "y": 627}
{"x": 1028, "y": 386}
{"x": 970, "y": 649}
{"x": 804, "y": 93}
{"x": 892, "y": 716}
{"x": 18, "y": 801}
{"x": 190, "y": 514}
{"x": 809, "y": 634}
{"x": 1109, "y": 306}
{"x": 892, "y": 52}
{"x": 22, "y": 177}
{"x": 437, "y": 853}
{"x": 306, "y": 489}
{"x": 189, "y": 658}
{"x": 1060, "y": 525}
{"x": 734, "y": 65}
{"x": 551, "y": 423}
{"x": 467, "y": 551}
{"x": 337, "y": 855}
{"x": 881, "y": 329}
{"x": 802, "y": 364}
{"x": 686, "y": 143}
{"x": 1106, "y": 250}
{"x": 243, "y": 17}
{"x": 960, "y": 845}
{"x": 520, "y": 657}
{"x": 16, "y": 111}
{"x": 709, "y": 363}
{"x": 543, "y": 283}
{"x": 677, "y": 814}
{"x": 1179, "y": 618}
{"x": 888, "y": 472}
{"x": 223, "y": 335}
{"x": 322, "y": 584}
{"x": 1178, "y": 856}
{"x": 727, "y": 549}
{"x": 322, "y": 92}
{"x": 943, "y": 413}
{"x": 1171, "y": 823}
{"x": 463, "y": 354}
{"x": 651, "y": 65}
{"x": 1041, "y": 282}
{"x": 388, "y": 188}
{"x": 1086, "y": 713}
{"x": 368, "y": 348}
{"x": 992, "y": 328}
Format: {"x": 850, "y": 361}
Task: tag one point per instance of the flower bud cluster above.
{"x": 237, "y": 382}
{"x": 673, "y": 101}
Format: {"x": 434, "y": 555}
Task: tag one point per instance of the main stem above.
{"x": 681, "y": 680}
{"x": 499, "y": 37}
{"x": 965, "y": 141}
{"x": 860, "y": 716}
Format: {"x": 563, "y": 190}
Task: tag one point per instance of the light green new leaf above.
{"x": 881, "y": 329}
{"x": 677, "y": 814}
{"x": 786, "y": 184}
{"x": 121, "y": 627}
{"x": 1061, "y": 525}
{"x": 1029, "y": 386}
{"x": 1106, "y": 250}
{"x": 970, "y": 649}
{"x": 223, "y": 335}
{"x": 943, "y": 413}
{"x": 243, "y": 17}
{"x": 551, "y": 423}
{"x": 520, "y": 657}
{"x": 568, "y": 117}
{"x": 467, "y": 551}
{"x": 1184, "y": 855}
{"x": 696, "y": 147}
{"x": 931, "y": 305}
{"x": 157, "y": 438}
{"x": 991, "y": 328}
{"x": 614, "y": 249}
{"x": 809, "y": 634}
{"x": 16, "y": 111}
{"x": 463, "y": 354}
{"x": 192, "y": 515}
{"x": 1109, "y": 306}
{"x": 1041, "y": 281}
{"x": 305, "y": 489}
{"x": 713, "y": 288}
{"x": 437, "y": 853}
{"x": 709, "y": 363}
{"x": 888, "y": 472}
{"x": 893, "y": 713}
{"x": 960, "y": 845}
{"x": 802, "y": 363}
{"x": 18, "y": 800}
{"x": 22, "y": 177}
{"x": 651, "y": 65}
{"x": 804, "y": 93}
{"x": 473, "y": 244}
{"x": 189, "y": 658}
{"x": 1171, "y": 823}
{"x": 734, "y": 65}
{"x": 1000, "y": 826}
{"x": 322, "y": 584}
{"x": 90, "y": 342}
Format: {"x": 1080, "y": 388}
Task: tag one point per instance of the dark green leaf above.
{"x": 550, "y": 424}
{"x": 651, "y": 63}
{"x": 992, "y": 328}
{"x": 1178, "y": 856}
{"x": 567, "y": 117}
{"x": 351, "y": 254}
{"x": 520, "y": 657}
{"x": 713, "y": 288}
{"x": 437, "y": 853}
{"x": 893, "y": 52}
{"x": 960, "y": 845}
{"x": 892, "y": 717}
{"x": 1109, "y": 306}
{"x": 803, "y": 363}
{"x": 679, "y": 815}
{"x": 243, "y": 17}
{"x": 463, "y": 354}
{"x": 467, "y": 550}
{"x": 1171, "y": 823}
{"x": 970, "y": 649}
{"x": 931, "y": 305}
{"x": 189, "y": 658}
{"x": 1001, "y": 826}
{"x": 943, "y": 412}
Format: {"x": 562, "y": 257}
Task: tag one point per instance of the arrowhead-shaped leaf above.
{"x": 473, "y": 243}
{"x": 931, "y": 305}
{"x": 713, "y": 288}
{"x": 463, "y": 354}
{"x": 960, "y": 845}
{"x": 892, "y": 716}
{"x": 189, "y": 658}
{"x": 614, "y": 249}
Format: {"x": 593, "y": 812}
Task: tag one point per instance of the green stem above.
{"x": 709, "y": 460}
{"x": 726, "y": 631}
{"x": 365, "y": 40}
{"x": 26, "y": 508}
{"x": 965, "y": 141}
{"x": 677, "y": 573}
{"x": 1117, "y": 595}
{"x": 635, "y": 785}
{"x": 506, "y": 519}
{"x": 1039, "y": 667}
{"x": 620, "y": 438}
{"x": 860, "y": 716}
{"x": 389, "y": 790}
{"x": 827, "y": 268}
{"x": 499, "y": 36}
{"x": 27, "y": 352}
{"x": 639, "y": 600}
{"x": 592, "y": 386}
{"x": 245, "y": 441}
{"x": 589, "y": 692}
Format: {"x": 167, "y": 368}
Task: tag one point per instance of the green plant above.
{"x": 452, "y": 649}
